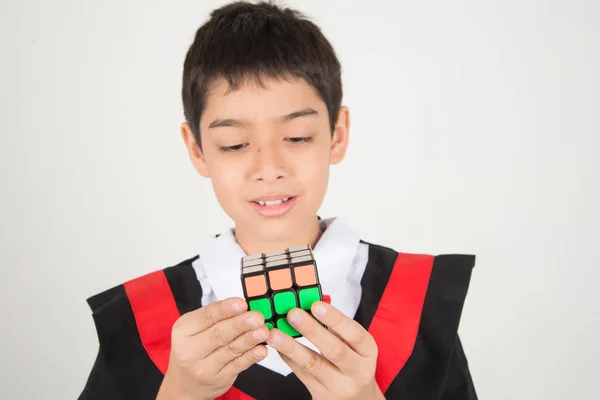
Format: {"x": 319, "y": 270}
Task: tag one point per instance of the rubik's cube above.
{"x": 274, "y": 283}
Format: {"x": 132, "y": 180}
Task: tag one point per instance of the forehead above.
{"x": 264, "y": 100}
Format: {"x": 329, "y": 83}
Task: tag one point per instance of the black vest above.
{"x": 420, "y": 353}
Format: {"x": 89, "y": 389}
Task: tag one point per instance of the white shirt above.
{"x": 341, "y": 261}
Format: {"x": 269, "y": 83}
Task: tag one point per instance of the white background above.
{"x": 474, "y": 129}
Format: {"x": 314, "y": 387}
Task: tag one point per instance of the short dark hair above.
{"x": 243, "y": 40}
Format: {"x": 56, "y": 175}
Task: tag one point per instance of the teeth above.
{"x": 273, "y": 202}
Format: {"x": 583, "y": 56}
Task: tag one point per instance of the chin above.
{"x": 279, "y": 229}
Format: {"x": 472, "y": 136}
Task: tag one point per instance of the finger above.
{"x": 245, "y": 361}
{"x": 330, "y": 345}
{"x": 346, "y": 328}
{"x": 309, "y": 361}
{"x": 224, "y": 332}
{"x": 314, "y": 386}
{"x": 197, "y": 321}
{"x": 238, "y": 347}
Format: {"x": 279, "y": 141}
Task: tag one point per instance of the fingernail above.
{"x": 320, "y": 310}
{"x": 276, "y": 339}
{"x": 294, "y": 318}
{"x": 236, "y": 307}
{"x": 251, "y": 323}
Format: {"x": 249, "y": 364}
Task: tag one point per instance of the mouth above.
{"x": 273, "y": 206}
{"x": 272, "y": 202}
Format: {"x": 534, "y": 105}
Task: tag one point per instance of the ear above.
{"x": 339, "y": 140}
{"x": 194, "y": 151}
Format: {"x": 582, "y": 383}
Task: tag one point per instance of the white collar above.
{"x": 334, "y": 253}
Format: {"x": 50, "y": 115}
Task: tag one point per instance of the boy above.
{"x": 262, "y": 98}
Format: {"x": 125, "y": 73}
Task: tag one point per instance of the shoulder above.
{"x": 144, "y": 308}
{"x": 452, "y": 268}
{"x": 458, "y": 260}
{"x": 179, "y": 278}
{"x": 435, "y": 284}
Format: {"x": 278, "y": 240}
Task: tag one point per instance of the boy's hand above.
{"x": 345, "y": 369}
{"x": 210, "y": 347}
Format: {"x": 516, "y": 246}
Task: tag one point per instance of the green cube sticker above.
{"x": 286, "y": 328}
{"x": 263, "y": 306}
{"x": 284, "y": 302}
{"x": 308, "y": 297}
{"x": 269, "y": 325}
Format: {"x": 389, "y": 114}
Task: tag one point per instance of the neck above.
{"x": 252, "y": 244}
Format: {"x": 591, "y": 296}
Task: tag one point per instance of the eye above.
{"x": 237, "y": 147}
{"x": 306, "y": 139}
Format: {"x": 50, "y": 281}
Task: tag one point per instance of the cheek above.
{"x": 313, "y": 171}
{"x": 225, "y": 179}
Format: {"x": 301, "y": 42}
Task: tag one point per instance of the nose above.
{"x": 268, "y": 164}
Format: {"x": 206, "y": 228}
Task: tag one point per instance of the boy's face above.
{"x": 268, "y": 144}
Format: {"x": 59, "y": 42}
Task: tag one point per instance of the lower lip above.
{"x": 274, "y": 211}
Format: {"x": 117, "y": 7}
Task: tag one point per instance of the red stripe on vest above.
{"x": 155, "y": 313}
{"x": 396, "y": 321}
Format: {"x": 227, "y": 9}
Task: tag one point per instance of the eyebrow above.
{"x": 229, "y": 122}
